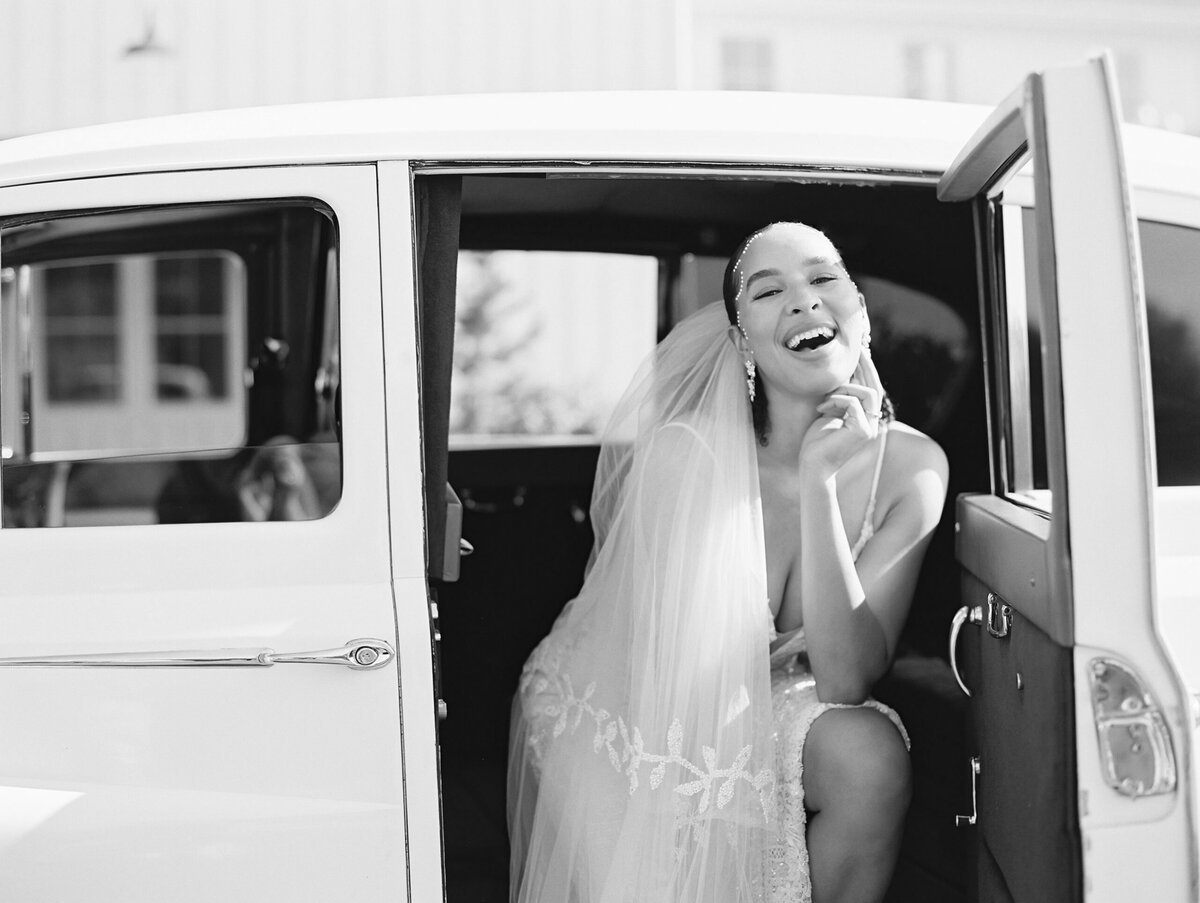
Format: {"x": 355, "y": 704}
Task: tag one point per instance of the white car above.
{"x": 229, "y": 373}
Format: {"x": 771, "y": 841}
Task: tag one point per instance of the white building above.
{"x": 74, "y": 62}
{"x": 964, "y": 50}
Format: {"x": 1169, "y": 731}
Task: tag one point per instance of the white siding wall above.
{"x": 64, "y": 63}
{"x": 858, "y": 46}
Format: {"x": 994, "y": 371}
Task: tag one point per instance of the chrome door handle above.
{"x": 358, "y": 655}
{"x": 964, "y": 614}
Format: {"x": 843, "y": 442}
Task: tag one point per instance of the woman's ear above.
{"x": 738, "y": 339}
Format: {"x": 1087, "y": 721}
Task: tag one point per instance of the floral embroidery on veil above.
{"x": 541, "y": 677}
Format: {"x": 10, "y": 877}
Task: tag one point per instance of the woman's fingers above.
{"x": 871, "y": 399}
{"x": 850, "y": 409}
{"x": 868, "y": 374}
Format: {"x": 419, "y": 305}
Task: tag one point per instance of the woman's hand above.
{"x": 850, "y": 417}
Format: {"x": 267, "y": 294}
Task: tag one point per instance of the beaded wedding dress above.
{"x": 658, "y": 730}
{"x": 794, "y": 708}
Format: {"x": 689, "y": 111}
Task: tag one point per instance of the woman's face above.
{"x": 802, "y": 315}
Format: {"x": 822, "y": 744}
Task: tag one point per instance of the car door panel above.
{"x": 1025, "y": 745}
{"x": 200, "y": 782}
{"x": 1080, "y": 584}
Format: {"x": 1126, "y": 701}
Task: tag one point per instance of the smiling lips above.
{"x": 810, "y": 339}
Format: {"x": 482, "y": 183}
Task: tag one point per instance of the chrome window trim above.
{"x": 989, "y": 265}
{"x": 832, "y": 173}
{"x": 1018, "y": 426}
{"x": 1028, "y": 504}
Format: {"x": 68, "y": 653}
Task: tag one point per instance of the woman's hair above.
{"x": 729, "y": 291}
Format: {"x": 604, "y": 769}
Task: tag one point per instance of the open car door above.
{"x": 1081, "y": 729}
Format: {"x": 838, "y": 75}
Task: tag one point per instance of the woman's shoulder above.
{"x": 915, "y": 469}
{"x": 910, "y": 450}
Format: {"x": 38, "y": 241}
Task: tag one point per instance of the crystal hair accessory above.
{"x": 737, "y": 266}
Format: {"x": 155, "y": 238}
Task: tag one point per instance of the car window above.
{"x": 545, "y": 342}
{"x": 169, "y": 365}
{"x": 1169, "y": 255}
{"x": 1025, "y": 460}
{"x": 1173, "y": 327}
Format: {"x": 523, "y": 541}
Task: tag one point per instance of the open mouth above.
{"x": 810, "y": 339}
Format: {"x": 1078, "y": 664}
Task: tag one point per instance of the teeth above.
{"x": 820, "y": 332}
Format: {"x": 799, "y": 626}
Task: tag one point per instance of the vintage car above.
{"x": 273, "y": 373}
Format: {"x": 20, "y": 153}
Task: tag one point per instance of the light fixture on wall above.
{"x": 148, "y": 44}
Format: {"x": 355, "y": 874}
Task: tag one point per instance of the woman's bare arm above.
{"x": 853, "y": 613}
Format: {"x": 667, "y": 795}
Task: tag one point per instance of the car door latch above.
{"x": 999, "y": 616}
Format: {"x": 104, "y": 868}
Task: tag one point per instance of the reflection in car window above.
{"x": 169, "y": 365}
{"x": 545, "y": 342}
{"x": 1169, "y": 255}
{"x": 113, "y": 340}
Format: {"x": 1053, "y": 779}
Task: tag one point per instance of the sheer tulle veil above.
{"x": 641, "y": 763}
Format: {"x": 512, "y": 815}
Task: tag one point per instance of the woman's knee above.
{"x": 858, "y": 754}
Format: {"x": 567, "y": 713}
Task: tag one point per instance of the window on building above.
{"x": 928, "y": 71}
{"x": 137, "y": 351}
{"x": 747, "y": 64}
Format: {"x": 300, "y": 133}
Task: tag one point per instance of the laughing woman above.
{"x": 697, "y": 725}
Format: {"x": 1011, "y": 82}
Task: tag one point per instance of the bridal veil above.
{"x": 641, "y": 762}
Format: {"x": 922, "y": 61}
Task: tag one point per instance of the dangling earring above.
{"x": 748, "y": 363}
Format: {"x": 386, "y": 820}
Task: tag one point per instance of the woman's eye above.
{"x": 766, "y": 293}
{"x": 821, "y": 280}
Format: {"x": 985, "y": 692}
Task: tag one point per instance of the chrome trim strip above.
{"x": 358, "y": 655}
{"x": 687, "y": 168}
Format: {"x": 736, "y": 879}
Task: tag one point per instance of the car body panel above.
{"x": 208, "y": 781}
{"x": 1100, "y": 543}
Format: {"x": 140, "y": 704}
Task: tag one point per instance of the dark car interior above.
{"x": 524, "y": 508}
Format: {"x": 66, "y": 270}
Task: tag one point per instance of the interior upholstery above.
{"x": 1027, "y": 786}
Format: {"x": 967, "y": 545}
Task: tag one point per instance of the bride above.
{"x": 697, "y": 725}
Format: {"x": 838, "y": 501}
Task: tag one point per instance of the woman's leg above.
{"x": 857, "y": 784}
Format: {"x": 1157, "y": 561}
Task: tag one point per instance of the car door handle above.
{"x": 358, "y": 655}
{"x": 973, "y": 614}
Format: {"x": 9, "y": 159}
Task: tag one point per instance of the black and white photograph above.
{"x": 628, "y": 451}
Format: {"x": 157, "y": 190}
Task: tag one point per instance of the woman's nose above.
{"x": 805, "y": 301}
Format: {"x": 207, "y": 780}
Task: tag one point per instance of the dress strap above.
{"x": 868, "y": 527}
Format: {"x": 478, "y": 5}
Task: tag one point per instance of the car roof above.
{"x": 754, "y": 128}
